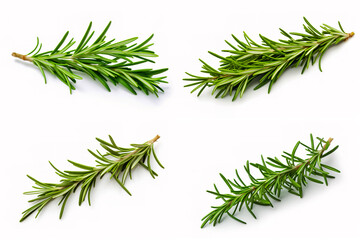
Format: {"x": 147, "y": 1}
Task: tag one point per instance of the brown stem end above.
{"x": 327, "y": 144}
{"x": 154, "y": 139}
{"x": 349, "y": 35}
{"x": 23, "y": 57}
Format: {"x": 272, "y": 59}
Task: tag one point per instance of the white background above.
{"x": 200, "y": 137}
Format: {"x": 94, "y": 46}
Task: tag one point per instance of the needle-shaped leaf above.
{"x": 60, "y": 43}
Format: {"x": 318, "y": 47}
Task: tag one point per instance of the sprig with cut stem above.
{"x": 104, "y": 61}
{"x": 291, "y": 175}
{"x": 264, "y": 63}
{"x": 117, "y": 161}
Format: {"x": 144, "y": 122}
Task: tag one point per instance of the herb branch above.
{"x": 117, "y": 161}
{"x": 104, "y": 61}
{"x": 264, "y": 63}
{"x": 291, "y": 175}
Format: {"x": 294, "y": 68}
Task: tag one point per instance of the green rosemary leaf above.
{"x": 341, "y": 28}
{"x": 314, "y": 180}
{"x": 266, "y": 62}
{"x": 81, "y": 44}
{"x": 286, "y": 176}
{"x": 102, "y": 35}
{"x": 60, "y": 43}
{"x": 330, "y": 168}
{"x": 81, "y": 165}
{"x": 37, "y": 44}
{"x": 41, "y": 69}
{"x": 102, "y": 60}
{"x": 120, "y": 161}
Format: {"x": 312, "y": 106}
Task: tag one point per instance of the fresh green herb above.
{"x": 249, "y": 61}
{"x": 291, "y": 175}
{"x": 116, "y": 161}
{"x": 102, "y": 60}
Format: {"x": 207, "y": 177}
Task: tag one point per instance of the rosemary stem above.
{"x": 279, "y": 175}
{"x": 292, "y": 175}
{"x": 248, "y": 61}
{"x": 154, "y": 139}
{"x": 349, "y": 35}
{"x": 150, "y": 142}
{"x": 98, "y": 169}
{"x": 22, "y": 57}
{"x": 117, "y": 162}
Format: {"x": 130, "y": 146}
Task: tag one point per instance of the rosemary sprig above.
{"x": 291, "y": 175}
{"x": 117, "y": 161}
{"x": 249, "y": 61}
{"x": 102, "y": 60}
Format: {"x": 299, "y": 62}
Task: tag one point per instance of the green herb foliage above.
{"x": 264, "y": 63}
{"x": 117, "y": 161}
{"x": 104, "y": 61}
{"x": 291, "y": 174}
